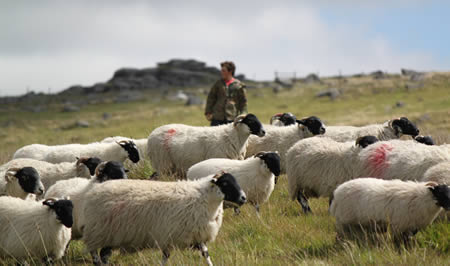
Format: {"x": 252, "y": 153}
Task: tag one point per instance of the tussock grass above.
{"x": 283, "y": 235}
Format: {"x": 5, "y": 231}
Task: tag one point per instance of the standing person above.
{"x": 227, "y": 97}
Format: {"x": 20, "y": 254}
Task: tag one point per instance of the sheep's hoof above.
{"x": 105, "y": 253}
{"x": 154, "y": 176}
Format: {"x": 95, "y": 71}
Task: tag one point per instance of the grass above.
{"x": 283, "y": 236}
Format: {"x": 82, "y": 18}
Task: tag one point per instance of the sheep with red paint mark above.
{"x": 316, "y": 166}
{"x": 174, "y": 148}
{"x": 400, "y": 159}
{"x": 392, "y": 129}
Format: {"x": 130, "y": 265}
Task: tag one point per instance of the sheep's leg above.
{"x": 95, "y": 258}
{"x": 237, "y": 211}
{"x": 257, "y": 208}
{"x": 166, "y": 255}
{"x": 47, "y": 261}
{"x": 204, "y": 249}
{"x": 105, "y": 253}
{"x": 154, "y": 176}
{"x": 303, "y": 202}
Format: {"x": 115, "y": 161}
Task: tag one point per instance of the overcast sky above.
{"x": 55, "y": 44}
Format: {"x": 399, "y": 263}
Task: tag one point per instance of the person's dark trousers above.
{"x": 219, "y": 122}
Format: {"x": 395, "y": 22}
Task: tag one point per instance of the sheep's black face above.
{"x": 427, "y": 140}
{"x": 314, "y": 125}
{"x": 30, "y": 181}
{"x": 92, "y": 163}
{"x": 256, "y": 128}
{"x": 133, "y": 152}
{"x": 63, "y": 210}
{"x": 404, "y": 126}
{"x": 288, "y": 119}
{"x": 229, "y": 186}
{"x": 272, "y": 160}
{"x": 441, "y": 193}
{"x": 366, "y": 141}
{"x": 112, "y": 170}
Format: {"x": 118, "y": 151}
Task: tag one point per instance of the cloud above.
{"x": 57, "y": 44}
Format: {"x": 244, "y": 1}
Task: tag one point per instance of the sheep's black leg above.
{"x": 105, "y": 253}
{"x": 257, "y": 208}
{"x": 166, "y": 255}
{"x": 304, "y": 202}
{"x": 47, "y": 261}
{"x": 95, "y": 258}
{"x": 276, "y": 180}
{"x": 204, "y": 249}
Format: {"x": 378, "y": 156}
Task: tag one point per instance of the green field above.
{"x": 283, "y": 236}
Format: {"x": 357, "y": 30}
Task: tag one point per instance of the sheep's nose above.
{"x": 322, "y": 130}
{"x": 243, "y": 199}
{"x": 262, "y": 133}
{"x": 40, "y": 191}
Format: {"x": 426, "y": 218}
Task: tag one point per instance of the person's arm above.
{"x": 211, "y": 101}
{"x": 242, "y": 100}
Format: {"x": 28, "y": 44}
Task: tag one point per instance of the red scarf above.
{"x": 229, "y": 82}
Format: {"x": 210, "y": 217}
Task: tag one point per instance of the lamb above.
{"x": 316, "y": 166}
{"x": 256, "y": 175}
{"x": 392, "y": 129}
{"x": 399, "y": 159}
{"x": 140, "y": 143}
{"x": 135, "y": 214}
{"x": 283, "y": 119}
{"x": 21, "y": 182}
{"x": 50, "y": 173}
{"x": 405, "y": 207}
{"x": 75, "y": 188}
{"x": 119, "y": 151}
{"x": 282, "y": 138}
{"x": 34, "y": 229}
{"x": 174, "y": 148}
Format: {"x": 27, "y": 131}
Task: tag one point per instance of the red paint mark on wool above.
{"x": 377, "y": 160}
{"x": 167, "y": 137}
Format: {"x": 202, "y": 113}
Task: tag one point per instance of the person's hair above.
{"x": 229, "y": 66}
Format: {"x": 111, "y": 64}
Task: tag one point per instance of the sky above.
{"x": 47, "y": 46}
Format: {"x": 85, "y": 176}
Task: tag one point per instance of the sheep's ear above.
{"x": 357, "y": 141}
{"x": 49, "y": 202}
{"x": 66, "y": 197}
{"x": 122, "y": 142}
{"x": 10, "y": 175}
{"x": 238, "y": 119}
{"x": 260, "y": 154}
{"x": 100, "y": 168}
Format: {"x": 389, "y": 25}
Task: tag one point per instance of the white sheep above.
{"x": 283, "y": 119}
{"x": 316, "y": 166}
{"x": 140, "y": 143}
{"x": 399, "y": 159}
{"x": 256, "y": 175}
{"x": 34, "y": 229}
{"x": 136, "y": 214}
{"x": 22, "y": 183}
{"x": 440, "y": 173}
{"x": 50, "y": 173}
{"x": 392, "y": 129}
{"x": 174, "y": 148}
{"x": 75, "y": 188}
{"x": 282, "y": 138}
{"x": 405, "y": 207}
{"x": 119, "y": 151}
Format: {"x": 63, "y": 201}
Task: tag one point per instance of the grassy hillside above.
{"x": 282, "y": 236}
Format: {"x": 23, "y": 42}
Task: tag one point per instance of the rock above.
{"x": 424, "y": 118}
{"x": 276, "y": 89}
{"x": 413, "y": 86}
{"x": 399, "y": 104}
{"x": 311, "y": 78}
{"x": 194, "y": 100}
{"x": 34, "y": 108}
{"x": 82, "y": 123}
{"x": 378, "y": 74}
{"x": 70, "y": 108}
{"x": 417, "y": 77}
{"x": 106, "y": 116}
{"x": 181, "y": 96}
{"x": 409, "y": 72}
{"x": 333, "y": 93}
{"x": 128, "y": 96}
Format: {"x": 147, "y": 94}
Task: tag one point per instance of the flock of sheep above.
{"x": 52, "y": 194}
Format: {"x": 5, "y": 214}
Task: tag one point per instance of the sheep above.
{"x": 283, "y": 119}
{"x": 50, "y": 173}
{"x": 174, "y": 148}
{"x": 75, "y": 188}
{"x": 135, "y": 214}
{"x": 140, "y": 143}
{"x": 282, "y": 138}
{"x": 440, "y": 173}
{"x": 392, "y": 129}
{"x": 256, "y": 175}
{"x": 405, "y": 207}
{"x": 401, "y": 159}
{"x": 316, "y": 166}
{"x": 34, "y": 229}
{"x": 21, "y": 182}
{"x": 119, "y": 151}
{"x": 427, "y": 140}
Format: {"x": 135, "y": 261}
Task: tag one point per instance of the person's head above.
{"x": 227, "y": 69}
